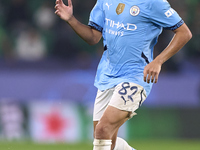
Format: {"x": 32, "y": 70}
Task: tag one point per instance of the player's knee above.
{"x": 102, "y": 128}
{"x": 102, "y": 131}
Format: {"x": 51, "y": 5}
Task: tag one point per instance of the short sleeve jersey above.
{"x": 130, "y": 30}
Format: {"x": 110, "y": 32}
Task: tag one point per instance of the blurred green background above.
{"x": 139, "y": 144}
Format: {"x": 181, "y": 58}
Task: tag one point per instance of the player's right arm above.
{"x": 88, "y": 34}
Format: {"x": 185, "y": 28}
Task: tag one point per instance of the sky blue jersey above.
{"x": 130, "y": 29}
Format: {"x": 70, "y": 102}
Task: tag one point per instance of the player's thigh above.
{"x": 113, "y": 118}
{"x": 94, "y": 126}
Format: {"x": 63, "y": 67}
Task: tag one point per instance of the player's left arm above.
{"x": 181, "y": 36}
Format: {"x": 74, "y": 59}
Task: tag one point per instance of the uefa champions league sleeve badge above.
{"x": 135, "y": 10}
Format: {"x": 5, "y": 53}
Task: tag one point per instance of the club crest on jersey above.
{"x": 120, "y": 8}
{"x": 135, "y": 10}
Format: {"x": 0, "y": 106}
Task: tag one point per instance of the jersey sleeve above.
{"x": 96, "y": 19}
{"x": 163, "y": 15}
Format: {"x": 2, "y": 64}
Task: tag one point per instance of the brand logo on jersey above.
{"x": 108, "y": 5}
{"x": 135, "y": 10}
{"x": 170, "y": 12}
{"x": 120, "y": 8}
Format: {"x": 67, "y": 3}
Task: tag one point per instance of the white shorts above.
{"x": 125, "y": 96}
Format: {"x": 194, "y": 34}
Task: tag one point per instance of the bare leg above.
{"x": 108, "y": 125}
{"x": 114, "y": 137}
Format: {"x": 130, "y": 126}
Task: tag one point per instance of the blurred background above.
{"x": 47, "y": 74}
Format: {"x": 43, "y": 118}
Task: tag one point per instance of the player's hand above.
{"x": 151, "y": 72}
{"x": 63, "y": 11}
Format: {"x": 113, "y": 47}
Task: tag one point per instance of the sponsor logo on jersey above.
{"x": 127, "y": 26}
{"x": 135, "y": 10}
{"x": 120, "y": 8}
{"x": 114, "y": 27}
{"x": 170, "y": 12}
